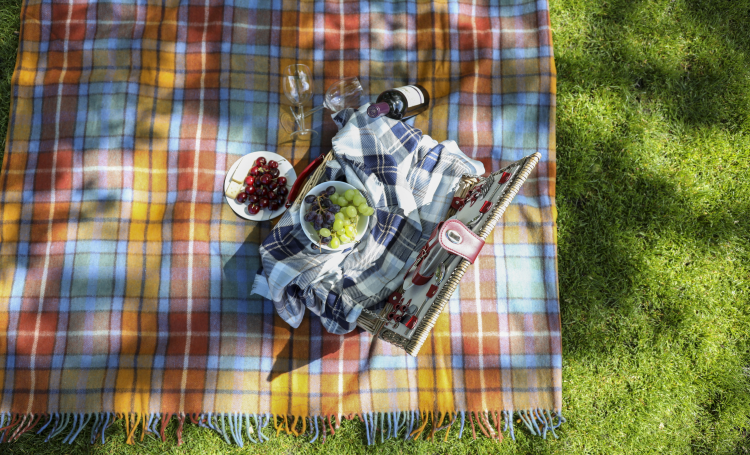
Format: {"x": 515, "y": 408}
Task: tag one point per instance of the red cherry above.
{"x": 261, "y": 192}
{"x": 249, "y": 180}
{"x": 253, "y": 209}
{"x": 282, "y": 181}
{"x": 253, "y": 198}
{"x": 273, "y": 164}
{"x": 253, "y": 170}
{"x": 241, "y": 198}
{"x": 280, "y": 200}
{"x": 274, "y": 173}
{"x": 282, "y": 191}
{"x": 273, "y": 185}
{"x": 250, "y": 189}
{"x": 262, "y": 170}
{"x": 263, "y": 202}
{"x": 260, "y": 161}
{"x": 274, "y": 205}
{"x": 257, "y": 183}
{"x": 265, "y": 179}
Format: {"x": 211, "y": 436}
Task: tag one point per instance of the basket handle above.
{"x": 301, "y": 179}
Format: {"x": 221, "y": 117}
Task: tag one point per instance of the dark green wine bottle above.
{"x": 401, "y": 103}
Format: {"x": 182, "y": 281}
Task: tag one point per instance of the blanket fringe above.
{"x": 237, "y": 428}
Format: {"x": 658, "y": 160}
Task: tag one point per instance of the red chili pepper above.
{"x": 301, "y": 180}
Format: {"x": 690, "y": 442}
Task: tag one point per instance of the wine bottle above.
{"x": 400, "y": 103}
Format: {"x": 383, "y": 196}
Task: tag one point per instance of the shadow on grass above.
{"x": 610, "y": 197}
{"x": 9, "y": 25}
{"x": 694, "y": 85}
{"x": 621, "y": 208}
{"x": 621, "y": 211}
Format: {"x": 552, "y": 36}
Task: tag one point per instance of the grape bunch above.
{"x": 334, "y": 215}
{"x": 263, "y": 187}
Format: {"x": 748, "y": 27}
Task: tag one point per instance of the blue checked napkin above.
{"x": 408, "y": 178}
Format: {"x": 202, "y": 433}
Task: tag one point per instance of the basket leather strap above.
{"x": 458, "y": 239}
{"x": 454, "y": 238}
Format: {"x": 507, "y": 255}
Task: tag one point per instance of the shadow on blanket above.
{"x": 290, "y": 349}
{"x": 306, "y": 344}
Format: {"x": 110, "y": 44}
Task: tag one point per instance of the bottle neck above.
{"x": 378, "y": 109}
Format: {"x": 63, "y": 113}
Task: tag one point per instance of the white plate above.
{"x": 362, "y": 223}
{"x": 285, "y": 170}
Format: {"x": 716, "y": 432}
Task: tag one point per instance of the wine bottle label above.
{"x": 413, "y": 95}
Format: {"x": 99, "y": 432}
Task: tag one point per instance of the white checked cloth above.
{"x": 408, "y": 178}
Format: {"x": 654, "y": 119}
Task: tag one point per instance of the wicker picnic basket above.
{"x": 378, "y": 322}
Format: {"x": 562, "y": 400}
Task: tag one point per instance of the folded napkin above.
{"x": 408, "y": 178}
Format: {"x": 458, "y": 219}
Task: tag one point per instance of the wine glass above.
{"x": 343, "y": 93}
{"x": 297, "y": 82}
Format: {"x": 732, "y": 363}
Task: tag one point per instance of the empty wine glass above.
{"x": 342, "y": 94}
{"x": 297, "y": 83}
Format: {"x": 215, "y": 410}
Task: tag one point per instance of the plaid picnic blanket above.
{"x": 409, "y": 180}
{"x": 125, "y": 280}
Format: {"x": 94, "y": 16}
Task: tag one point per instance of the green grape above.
{"x": 363, "y": 208}
{"x": 351, "y": 211}
{"x": 358, "y": 199}
{"x": 334, "y": 243}
{"x": 340, "y": 216}
{"x": 338, "y": 224}
{"x": 334, "y": 199}
{"x": 324, "y": 232}
{"x": 343, "y": 202}
{"x": 349, "y": 194}
{"x": 344, "y": 238}
{"x": 370, "y": 211}
{"x": 351, "y": 232}
{"x": 348, "y": 222}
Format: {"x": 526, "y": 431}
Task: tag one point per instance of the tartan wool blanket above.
{"x": 125, "y": 280}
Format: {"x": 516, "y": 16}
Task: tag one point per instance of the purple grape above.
{"x": 335, "y": 208}
{"x": 310, "y": 216}
{"x": 330, "y": 218}
{"x": 310, "y": 199}
{"x": 319, "y": 218}
{"x": 325, "y": 203}
{"x": 330, "y": 190}
{"x": 325, "y": 240}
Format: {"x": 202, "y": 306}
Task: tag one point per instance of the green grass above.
{"x": 654, "y": 234}
{"x": 10, "y": 14}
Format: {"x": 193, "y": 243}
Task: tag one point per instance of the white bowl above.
{"x": 362, "y": 223}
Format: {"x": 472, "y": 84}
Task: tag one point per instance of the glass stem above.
{"x": 301, "y": 118}
{"x": 308, "y": 113}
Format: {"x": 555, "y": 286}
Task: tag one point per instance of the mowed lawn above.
{"x": 653, "y": 150}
